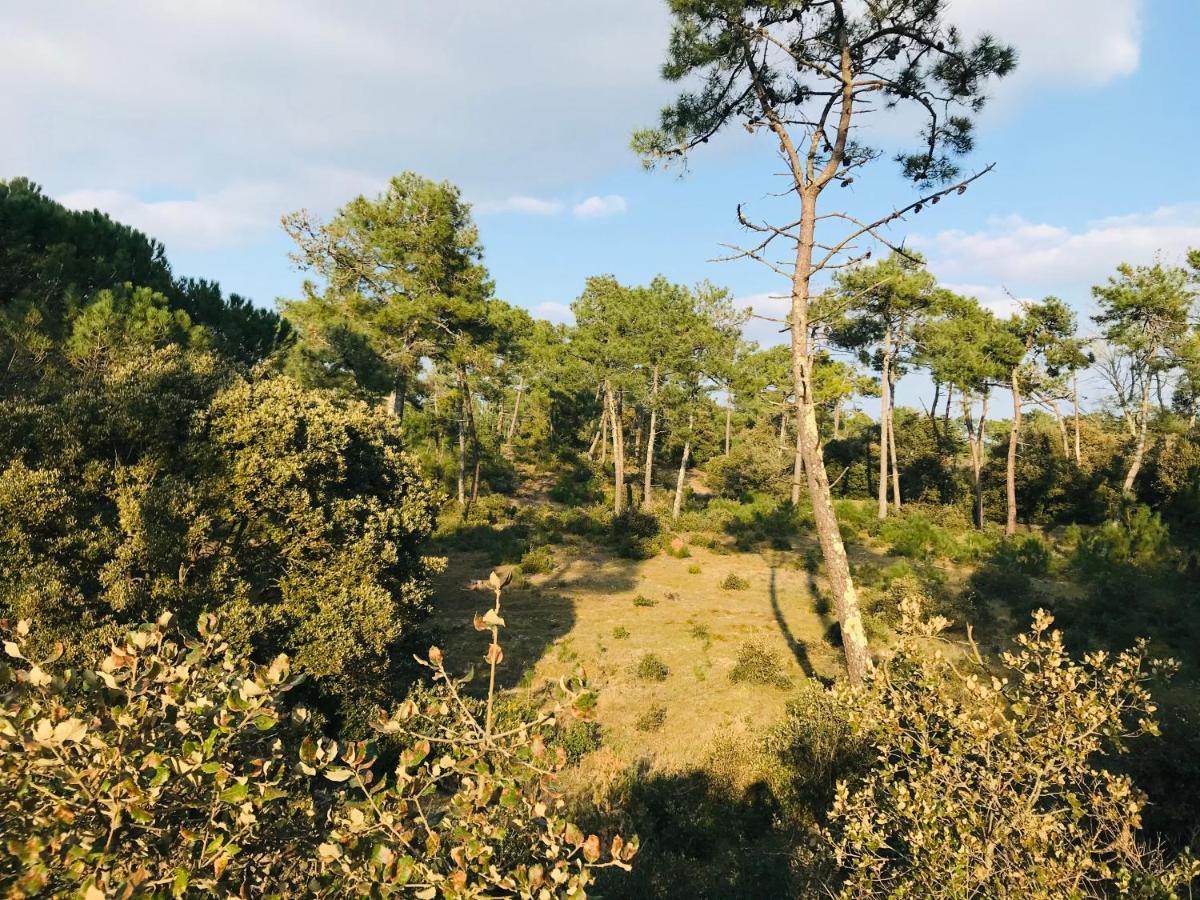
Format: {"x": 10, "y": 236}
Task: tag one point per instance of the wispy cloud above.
{"x": 554, "y": 312}
{"x": 521, "y": 204}
{"x": 600, "y": 207}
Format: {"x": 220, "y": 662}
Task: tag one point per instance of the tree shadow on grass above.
{"x": 799, "y": 651}
{"x": 701, "y": 838}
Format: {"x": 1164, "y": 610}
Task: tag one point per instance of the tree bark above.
{"x": 681, "y": 480}
{"x": 648, "y": 479}
{"x": 728, "y": 422}
{"x": 782, "y": 431}
{"x": 798, "y": 462}
{"x": 1014, "y": 438}
{"x": 618, "y": 448}
{"x": 883, "y": 425}
{"x": 837, "y": 419}
{"x": 975, "y": 441}
{"x": 462, "y": 449}
{"x": 396, "y": 399}
{"x": 1139, "y": 450}
{"x": 892, "y": 449}
{"x": 1075, "y": 404}
{"x": 512, "y": 425}
{"x": 833, "y": 551}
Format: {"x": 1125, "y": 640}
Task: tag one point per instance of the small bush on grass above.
{"x": 694, "y": 569}
{"x": 652, "y": 719}
{"x": 620, "y": 632}
{"x": 537, "y": 561}
{"x": 734, "y": 582}
{"x": 651, "y": 668}
{"x": 579, "y": 738}
{"x": 644, "y": 601}
{"x": 757, "y": 664}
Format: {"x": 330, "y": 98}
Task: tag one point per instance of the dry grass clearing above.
{"x": 607, "y": 614}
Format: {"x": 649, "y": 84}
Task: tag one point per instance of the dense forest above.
{"x": 398, "y": 590}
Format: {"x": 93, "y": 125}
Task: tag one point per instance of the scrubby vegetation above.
{"x": 931, "y": 653}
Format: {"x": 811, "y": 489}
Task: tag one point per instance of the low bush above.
{"x": 734, "y": 582}
{"x": 651, "y": 668}
{"x": 652, "y": 719}
{"x": 694, "y": 569}
{"x": 757, "y": 664}
{"x": 620, "y": 632}
{"x": 538, "y": 561}
{"x": 644, "y": 601}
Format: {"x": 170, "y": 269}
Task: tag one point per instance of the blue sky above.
{"x": 202, "y": 123}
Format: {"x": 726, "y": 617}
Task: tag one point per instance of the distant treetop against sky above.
{"x": 202, "y": 123}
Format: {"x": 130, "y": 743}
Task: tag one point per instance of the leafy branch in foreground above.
{"x": 171, "y": 769}
{"x": 989, "y": 784}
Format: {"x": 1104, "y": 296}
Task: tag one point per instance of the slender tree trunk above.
{"x": 1014, "y": 438}
{"x": 462, "y": 449}
{"x": 604, "y": 430}
{"x": 892, "y": 449}
{"x": 1062, "y": 428}
{"x": 512, "y": 425}
{"x": 837, "y": 419}
{"x": 728, "y": 422}
{"x": 1075, "y": 404}
{"x": 396, "y": 399}
{"x": 782, "y": 432}
{"x": 677, "y": 506}
{"x": 618, "y": 448}
{"x": 1139, "y": 450}
{"x": 648, "y": 480}
{"x": 883, "y": 426}
{"x": 798, "y": 461}
{"x": 975, "y": 443}
{"x": 837, "y": 566}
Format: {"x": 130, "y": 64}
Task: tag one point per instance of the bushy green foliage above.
{"x": 653, "y": 719}
{"x": 642, "y": 600}
{"x": 620, "y": 632}
{"x": 650, "y": 667}
{"x": 757, "y": 664}
{"x": 734, "y": 582}
{"x": 176, "y": 766}
{"x": 989, "y": 783}
{"x": 167, "y": 481}
{"x": 755, "y": 466}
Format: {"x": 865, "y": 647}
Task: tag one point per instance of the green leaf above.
{"x": 235, "y": 793}
{"x": 179, "y": 885}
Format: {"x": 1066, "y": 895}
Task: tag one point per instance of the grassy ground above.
{"x": 584, "y": 613}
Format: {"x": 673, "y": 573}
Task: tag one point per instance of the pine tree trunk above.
{"x": 833, "y": 551}
{"x": 618, "y": 448}
{"x": 396, "y": 399}
{"x": 462, "y": 450}
{"x": 604, "y": 430}
{"x": 782, "y": 431}
{"x": 798, "y": 462}
{"x": 1139, "y": 451}
{"x": 648, "y": 480}
{"x": 728, "y": 423}
{"x": 883, "y": 427}
{"x": 975, "y": 443}
{"x": 677, "y": 506}
{"x": 1014, "y": 438}
{"x": 1075, "y": 404}
{"x": 837, "y": 419}
{"x": 892, "y": 449}
{"x": 512, "y": 425}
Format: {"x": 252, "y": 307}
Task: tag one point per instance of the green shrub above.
{"x": 578, "y": 486}
{"x": 651, "y": 668}
{"x": 177, "y": 764}
{"x": 643, "y": 601}
{"x": 538, "y": 561}
{"x": 578, "y": 738}
{"x": 652, "y": 719}
{"x": 694, "y": 569}
{"x": 620, "y": 632}
{"x": 734, "y": 582}
{"x": 953, "y": 739}
{"x": 1027, "y": 553}
{"x": 757, "y": 664}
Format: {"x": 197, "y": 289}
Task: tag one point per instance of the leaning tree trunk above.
{"x": 1014, "y": 438}
{"x": 680, "y": 481}
{"x": 833, "y": 551}
{"x": 648, "y": 480}
{"x": 837, "y": 420}
{"x": 618, "y": 448}
{"x": 728, "y": 422}
{"x": 396, "y": 399}
{"x": 883, "y": 426}
{"x": 892, "y": 449}
{"x": 798, "y": 462}
{"x": 512, "y": 425}
{"x": 1074, "y": 400}
{"x": 1139, "y": 450}
{"x": 462, "y": 448}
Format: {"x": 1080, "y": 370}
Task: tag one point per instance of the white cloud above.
{"x": 769, "y": 313}
{"x": 599, "y": 207}
{"x": 1081, "y": 42}
{"x": 554, "y": 312}
{"x": 1013, "y": 250}
{"x": 522, "y": 205}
